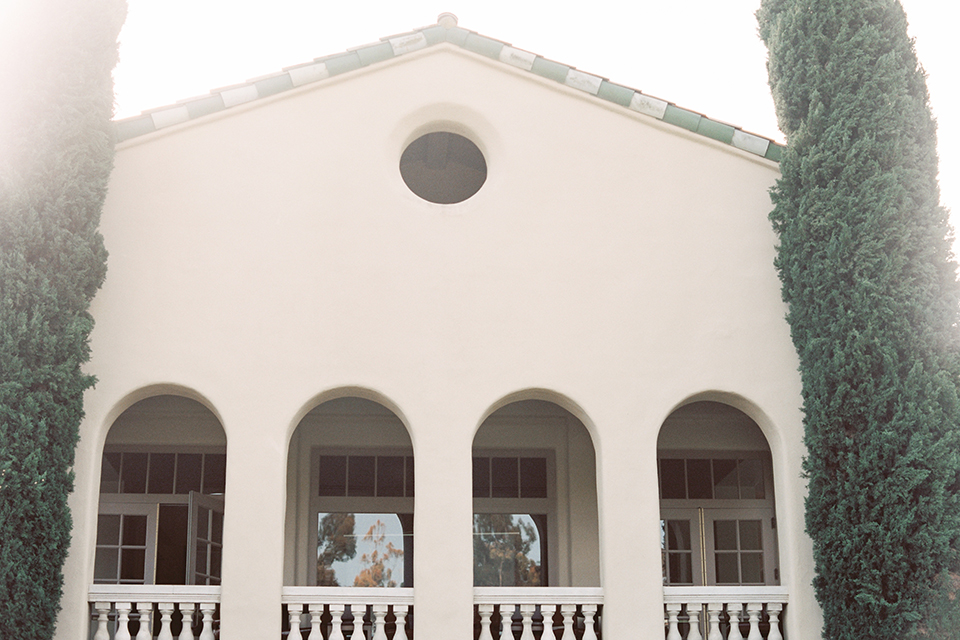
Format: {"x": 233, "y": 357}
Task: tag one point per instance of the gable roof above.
{"x": 446, "y": 30}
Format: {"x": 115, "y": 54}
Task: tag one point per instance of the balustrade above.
{"x": 153, "y": 612}
{"x": 723, "y": 613}
{"x": 348, "y": 613}
{"x": 547, "y": 613}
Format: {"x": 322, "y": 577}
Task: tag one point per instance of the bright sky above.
{"x": 700, "y": 54}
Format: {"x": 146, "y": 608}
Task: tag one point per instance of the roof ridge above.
{"x": 445, "y": 30}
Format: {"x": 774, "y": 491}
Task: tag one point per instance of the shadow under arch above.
{"x": 716, "y": 490}
{"x": 546, "y": 395}
{"x": 349, "y": 492}
{"x": 535, "y": 494}
{"x": 150, "y": 391}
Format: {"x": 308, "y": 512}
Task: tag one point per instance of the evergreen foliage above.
{"x": 866, "y": 269}
{"x": 56, "y": 154}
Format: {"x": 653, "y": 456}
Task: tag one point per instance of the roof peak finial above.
{"x": 447, "y": 20}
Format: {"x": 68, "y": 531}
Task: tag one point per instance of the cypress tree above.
{"x": 56, "y": 154}
{"x": 866, "y": 268}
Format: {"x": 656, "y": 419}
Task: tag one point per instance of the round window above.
{"x": 443, "y": 167}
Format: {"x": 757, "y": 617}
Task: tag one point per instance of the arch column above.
{"x": 443, "y": 529}
{"x": 630, "y": 531}
{"x": 253, "y": 528}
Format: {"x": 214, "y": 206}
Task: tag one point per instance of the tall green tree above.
{"x": 56, "y": 154}
{"x": 866, "y": 269}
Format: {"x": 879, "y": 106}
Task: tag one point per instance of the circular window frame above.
{"x": 443, "y": 166}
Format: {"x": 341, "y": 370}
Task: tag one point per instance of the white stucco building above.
{"x": 562, "y": 370}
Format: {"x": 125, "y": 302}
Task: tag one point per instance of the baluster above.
{"x": 567, "y": 611}
{"x": 294, "y": 612}
{"x": 316, "y": 613}
{"x": 186, "y": 620}
{"x": 378, "y": 616}
{"x": 693, "y": 612}
{"x": 123, "y": 620}
{"x": 336, "y": 622}
{"x": 735, "y": 613}
{"x": 166, "y": 612}
{"x": 773, "y": 611}
{"x": 673, "y": 627}
{"x": 589, "y": 612}
{"x": 103, "y": 617}
{"x": 526, "y": 618}
{"x": 486, "y": 610}
{"x": 207, "y": 609}
{"x": 713, "y": 621}
{"x": 145, "y": 609}
{"x": 400, "y": 613}
{"x": 753, "y": 612}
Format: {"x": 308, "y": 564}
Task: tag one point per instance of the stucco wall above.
{"x": 269, "y": 257}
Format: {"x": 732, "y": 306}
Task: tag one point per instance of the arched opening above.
{"x": 350, "y": 490}
{"x": 717, "y": 510}
{"x": 162, "y": 484}
{"x": 534, "y": 499}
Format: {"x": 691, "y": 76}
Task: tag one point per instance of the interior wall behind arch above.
{"x": 711, "y": 425}
{"x": 167, "y": 420}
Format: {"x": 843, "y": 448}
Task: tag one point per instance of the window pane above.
{"x": 699, "y": 482}
{"x": 725, "y": 480}
{"x": 750, "y": 535}
{"x": 481, "y": 477}
{"x": 110, "y": 473}
{"x": 105, "y": 566}
{"x": 214, "y": 473}
{"x": 360, "y": 550}
{"x": 507, "y": 550}
{"x": 189, "y": 468}
{"x": 725, "y": 535}
{"x": 533, "y": 477}
{"x": 752, "y": 565}
{"x": 672, "y": 483}
{"x": 751, "y": 479}
{"x": 161, "y": 472}
{"x": 203, "y": 523}
{"x": 333, "y": 475}
{"x": 215, "y": 557}
{"x": 133, "y": 478}
{"x": 108, "y": 529}
{"x": 390, "y": 476}
{"x": 503, "y": 472}
{"x": 134, "y": 530}
{"x": 727, "y": 568}
{"x": 131, "y": 564}
{"x": 201, "y": 566}
{"x": 681, "y": 568}
{"x": 216, "y": 532}
{"x": 678, "y": 535}
{"x": 360, "y": 475}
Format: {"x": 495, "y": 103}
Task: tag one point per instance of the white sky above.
{"x": 700, "y": 54}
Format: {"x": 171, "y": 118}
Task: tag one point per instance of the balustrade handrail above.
{"x": 538, "y": 595}
{"x": 347, "y": 595}
{"x": 726, "y": 594}
{"x": 153, "y": 593}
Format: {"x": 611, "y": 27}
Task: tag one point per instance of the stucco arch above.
{"x": 547, "y": 431}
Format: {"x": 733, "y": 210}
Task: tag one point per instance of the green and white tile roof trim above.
{"x": 446, "y": 30}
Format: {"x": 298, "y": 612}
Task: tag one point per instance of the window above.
{"x": 161, "y": 517}
{"x": 443, "y": 167}
{"x": 511, "y": 508}
{"x": 717, "y": 524}
{"x": 363, "y": 514}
